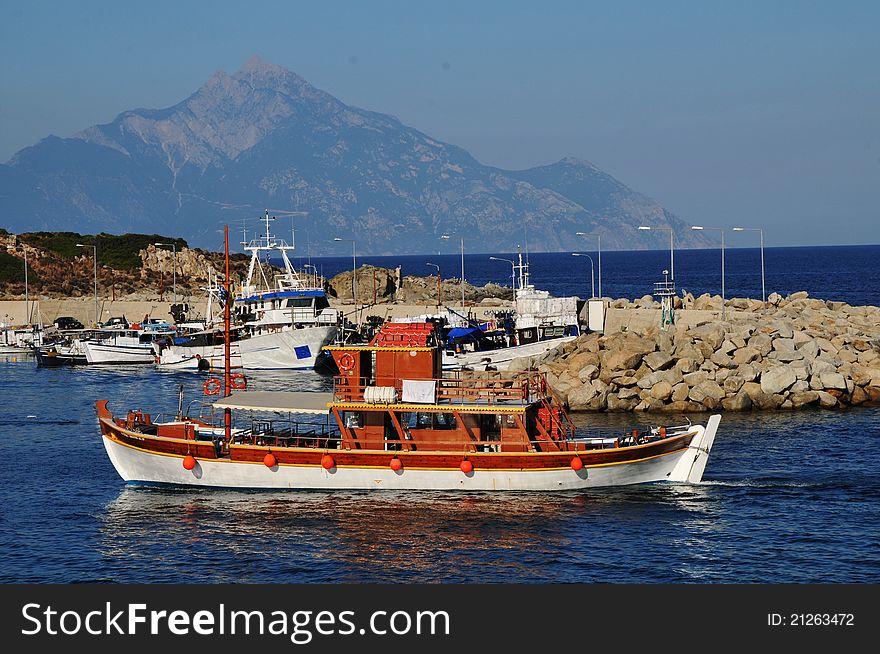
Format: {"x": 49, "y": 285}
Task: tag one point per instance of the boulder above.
{"x": 588, "y": 373}
{"x": 745, "y": 355}
{"x": 810, "y": 349}
{"x": 826, "y": 400}
{"x": 858, "y": 396}
{"x": 739, "y": 402}
{"x": 695, "y": 378}
{"x": 658, "y": 360}
{"x": 801, "y": 399}
{"x": 678, "y": 406}
{"x": 712, "y": 334}
{"x": 615, "y": 403}
{"x": 762, "y": 343}
{"x": 833, "y": 380}
{"x": 748, "y": 372}
{"x": 661, "y": 390}
{"x": 680, "y": 392}
{"x": 581, "y": 360}
{"x": 775, "y": 380}
{"x": 620, "y": 359}
{"x": 733, "y": 383}
{"x": 628, "y": 393}
{"x": 707, "y": 393}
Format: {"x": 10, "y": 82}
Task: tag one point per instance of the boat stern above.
{"x": 692, "y": 464}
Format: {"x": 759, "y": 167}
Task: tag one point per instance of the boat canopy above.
{"x": 463, "y": 333}
{"x": 289, "y": 401}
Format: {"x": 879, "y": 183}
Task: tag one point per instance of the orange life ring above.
{"x": 238, "y": 381}
{"x": 346, "y": 361}
{"x": 212, "y": 386}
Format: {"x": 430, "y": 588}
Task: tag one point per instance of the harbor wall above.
{"x": 793, "y": 352}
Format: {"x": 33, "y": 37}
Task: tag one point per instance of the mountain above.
{"x": 266, "y": 138}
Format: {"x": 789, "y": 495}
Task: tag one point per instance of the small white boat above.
{"x": 123, "y": 347}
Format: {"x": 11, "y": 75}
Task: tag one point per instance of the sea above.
{"x": 787, "y": 497}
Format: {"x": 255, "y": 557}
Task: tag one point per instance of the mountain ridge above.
{"x": 265, "y": 137}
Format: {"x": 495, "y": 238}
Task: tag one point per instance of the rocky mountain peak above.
{"x": 265, "y": 137}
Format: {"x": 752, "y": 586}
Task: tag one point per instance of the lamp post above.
{"x": 95, "y": 257}
{"x": 174, "y": 274}
{"x": 357, "y": 314}
{"x": 761, "y": 232}
{"x": 671, "y": 248}
{"x": 717, "y": 229}
{"x": 446, "y": 237}
{"x": 439, "y": 300}
{"x": 27, "y": 310}
{"x": 512, "y": 273}
{"x": 592, "y": 272}
{"x": 599, "y": 241}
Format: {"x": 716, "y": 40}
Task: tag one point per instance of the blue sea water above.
{"x": 787, "y": 496}
{"x": 849, "y": 272}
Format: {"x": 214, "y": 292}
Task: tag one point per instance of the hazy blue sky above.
{"x": 753, "y": 113}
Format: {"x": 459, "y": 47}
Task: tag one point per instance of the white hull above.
{"x": 173, "y": 361}
{"x": 101, "y": 353}
{"x": 13, "y": 349}
{"x": 500, "y": 359}
{"x": 135, "y": 465}
{"x": 290, "y": 349}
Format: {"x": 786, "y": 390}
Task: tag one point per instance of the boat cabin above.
{"x": 391, "y": 395}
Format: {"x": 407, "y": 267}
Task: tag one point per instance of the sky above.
{"x": 762, "y": 114}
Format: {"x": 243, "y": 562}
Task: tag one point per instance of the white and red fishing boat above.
{"x": 393, "y": 421}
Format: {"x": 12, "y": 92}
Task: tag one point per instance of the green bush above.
{"x": 12, "y": 269}
{"x": 119, "y": 252}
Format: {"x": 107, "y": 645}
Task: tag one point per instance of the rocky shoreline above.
{"x": 795, "y": 352}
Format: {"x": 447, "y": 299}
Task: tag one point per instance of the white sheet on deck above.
{"x": 420, "y": 392}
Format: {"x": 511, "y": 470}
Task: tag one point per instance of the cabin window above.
{"x": 321, "y": 303}
{"x": 353, "y": 419}
{"x": 429, "y": 420}
{"x": 300, "y": 303}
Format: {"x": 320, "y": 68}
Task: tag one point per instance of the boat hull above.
{"x": 135, "y": 459}
{"x": 290, "y": 349}
{"x": 501, "y": 358}
{"x": 98, "y": 353}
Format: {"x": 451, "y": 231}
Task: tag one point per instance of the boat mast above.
{"x": 227, "y": 368}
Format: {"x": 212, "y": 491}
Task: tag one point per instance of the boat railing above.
{"x": 514, "y": 391}
{"x": 288, "y": 433}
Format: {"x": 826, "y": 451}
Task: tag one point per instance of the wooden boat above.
{"x": 392, "y": 421}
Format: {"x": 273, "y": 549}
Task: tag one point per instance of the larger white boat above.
{"x": 282, "y": 318}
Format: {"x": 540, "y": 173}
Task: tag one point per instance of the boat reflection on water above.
{"x": 377, "y": 536}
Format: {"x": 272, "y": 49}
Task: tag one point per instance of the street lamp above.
{"x": 512, "y": 274}
{"x": 353, "y": 276}
{"x": 446, "y": 237}
{"x": 671, "y": 248}
{"x": 95, "y": 257}
{"x": 174, "y": 275}
{"x": 718, "y": 229}
{"x": 592, "y": 273}
{"x": 599, "y": 239}
{"x": 761, "y": 232}
{"x": 438, "y": 282}
{"x": 27, "y": 310}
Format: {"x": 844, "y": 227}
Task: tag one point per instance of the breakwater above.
{"x": 793, "y": 352}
